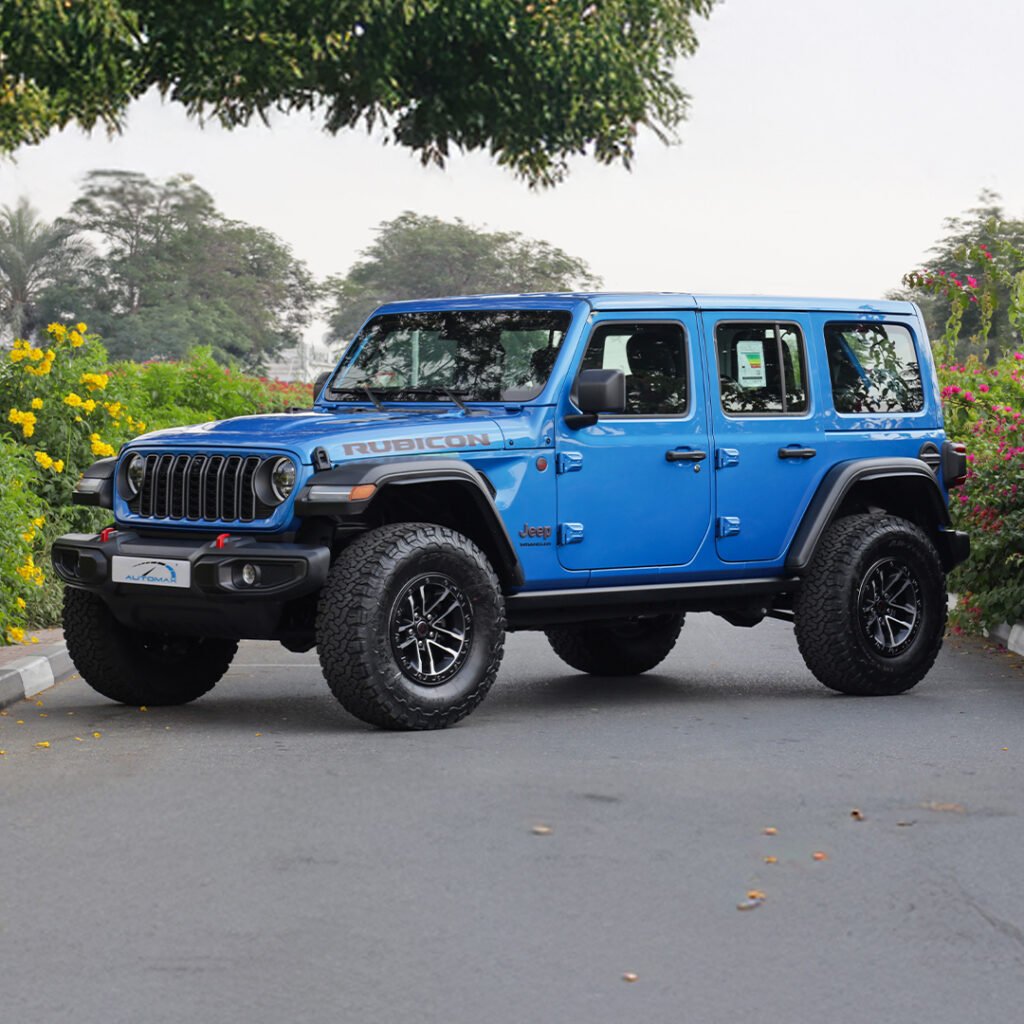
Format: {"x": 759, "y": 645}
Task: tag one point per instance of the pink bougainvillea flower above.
{"x": 968, "y": 396}
{"x": 983, "y": 387}
{"x": 972, "y": 282}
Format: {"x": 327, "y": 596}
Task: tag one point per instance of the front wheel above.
{"x": 410, "y": 628}
{"x": 621, "y": 647}
{"x": 133, "y": 666}
{"x": 871, "y": 611}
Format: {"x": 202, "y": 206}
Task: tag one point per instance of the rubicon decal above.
{"x": 417, "y": 444}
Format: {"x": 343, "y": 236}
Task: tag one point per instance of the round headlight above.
{"x": 135, "y": 473}
{"x": 282, "y": 478}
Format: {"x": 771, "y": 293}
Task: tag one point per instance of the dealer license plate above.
{"x": 151, "y": 572}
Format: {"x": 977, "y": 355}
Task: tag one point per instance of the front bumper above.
{"x": 217, "y": 601}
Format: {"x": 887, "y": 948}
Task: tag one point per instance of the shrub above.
{"x": 984, "y": 410}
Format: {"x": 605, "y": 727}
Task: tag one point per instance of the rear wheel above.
{"x": 871, "y": 611}
{"x": 136, "y": 667}
{"x": 621, "y": 647}
{"x": 411, "y": 627}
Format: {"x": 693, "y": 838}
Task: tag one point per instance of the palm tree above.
{"x": 34, "y": 255}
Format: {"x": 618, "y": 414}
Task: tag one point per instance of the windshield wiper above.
{"x": 439, "y": 389}
{"x": 362, "y": 390}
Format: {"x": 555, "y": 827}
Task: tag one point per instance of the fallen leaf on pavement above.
{"x": 43, "y": 743}
{"x": 749, "y": 905}
{"x": 78, "y": 739}
{"x": 756, "y": 894}
{"x": 857, "y": 814}
{"x": 819, "y": 855}
{"x": 143, "y": 708}
{"x": 906, "y": 824}
{"x": 541, "y": 830}
{"x": 96, "y": 735}
{"x": 935, "y": 805}
{"x": 771, "y": 860}
{"x": 769, "y": 831}
{"x": 630, "y": 976}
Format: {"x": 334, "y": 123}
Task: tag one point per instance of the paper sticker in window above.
{"x": 750, "y": 370}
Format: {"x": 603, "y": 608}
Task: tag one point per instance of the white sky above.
{"x": 827, "y": 141}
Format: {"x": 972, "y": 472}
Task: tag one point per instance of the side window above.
{"x": 873, "y": 368}
{"x": 762, "y": 368}
{"x": 653, "y": 358}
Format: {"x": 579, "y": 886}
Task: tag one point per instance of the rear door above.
{"x": 767, "y": 455}
{"x": 634, "y": 490}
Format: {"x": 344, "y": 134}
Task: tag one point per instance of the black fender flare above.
{"x": 96, "y": 486}
{"x": 328, "y": 493}
{"x": 841, "y": 479}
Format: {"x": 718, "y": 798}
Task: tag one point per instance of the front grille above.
{"x": 197, "y": 488}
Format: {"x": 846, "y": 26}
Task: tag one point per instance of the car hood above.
{"x": 344, "y": 436}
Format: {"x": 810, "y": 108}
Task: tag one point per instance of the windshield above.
{"x": 476, "y": 355}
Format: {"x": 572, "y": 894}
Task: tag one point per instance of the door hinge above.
{"x": 728, "y": 526}
{"x": 569, "y": 462}
{"x": 570, "y": 533}
{"x": 727, "y": 457}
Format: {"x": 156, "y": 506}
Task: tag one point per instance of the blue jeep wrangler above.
{"x": 589, "y": 465}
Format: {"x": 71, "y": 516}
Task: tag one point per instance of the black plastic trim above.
{"x": 103, "y": 469}
{"x": 837, "y": 484}
{"x": 538, "y": 608}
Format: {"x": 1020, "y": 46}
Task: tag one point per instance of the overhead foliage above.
{"x": 532, "y": 82}
{"x": 419, "y": 257}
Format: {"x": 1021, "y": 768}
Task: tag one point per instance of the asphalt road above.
{"x": 260, "y": 856}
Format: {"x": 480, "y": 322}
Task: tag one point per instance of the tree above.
{"x": 418, "y": 257}
{"x": 34, "y": 256}
{"x": 174, "y": 273}
{"x": 533, "y": 82}
{"x": 970, "y": 273}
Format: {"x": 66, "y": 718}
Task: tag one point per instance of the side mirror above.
{"x": 597, "y": 391}
{"x": 321, "y": 380}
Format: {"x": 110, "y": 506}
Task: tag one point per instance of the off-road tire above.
{"x": 136, "y": 667}
{"x": 622, "y": 647}
{"x": 358, "y": 635}
{"x": 833, "y": 610}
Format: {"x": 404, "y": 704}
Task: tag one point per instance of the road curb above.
{"x": 1010, "y": 637}
{"x": 28, "y": 676}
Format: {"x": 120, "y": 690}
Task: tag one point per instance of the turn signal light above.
{"x": 361, "y": 492}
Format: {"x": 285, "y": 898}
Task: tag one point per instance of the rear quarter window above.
{"x": 873, "y": 367}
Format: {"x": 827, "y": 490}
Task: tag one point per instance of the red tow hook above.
{"x": 221, "y": 537}
{"x": 105, "y": 534}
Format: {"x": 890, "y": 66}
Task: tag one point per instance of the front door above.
{"x": 634, "y": 490}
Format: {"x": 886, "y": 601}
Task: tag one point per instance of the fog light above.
{"x": 250, "y": 574}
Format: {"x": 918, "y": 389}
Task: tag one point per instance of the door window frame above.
{"x": 777, "y": 324}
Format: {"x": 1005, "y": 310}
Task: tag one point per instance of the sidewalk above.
{"x": 28, "y": 669}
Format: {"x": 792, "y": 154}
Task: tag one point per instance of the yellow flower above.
{"x": 44, "y": 460}
{"x": 20, "y": 602}
{"x": 38, "y": 522}
{"x": 35, "y": 354}
{"x": 114, "y": 408}
{"x": 28, "y": 535}
{"x": 37, "y": 403}
{"x": 89, "y": 404}
{"x": 76, "y": 339}
{"x": 81, "y": 327}
{"x": 140, "y": 425}
{"x": 57, "y": 331}
{"x": 58, "y": 465}
{"x": 94, "y": 381}
{"x": 27, "y": 421}
{"x": 99, "y": 446}
{"x": 73, "y": 400}
{"x": 15, "y": 634}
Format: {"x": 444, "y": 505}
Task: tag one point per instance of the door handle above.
{"x": 797, "y": 453}
{"x": 687, "y": 455}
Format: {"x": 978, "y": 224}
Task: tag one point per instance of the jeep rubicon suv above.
{"x": 589, "y": 465}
